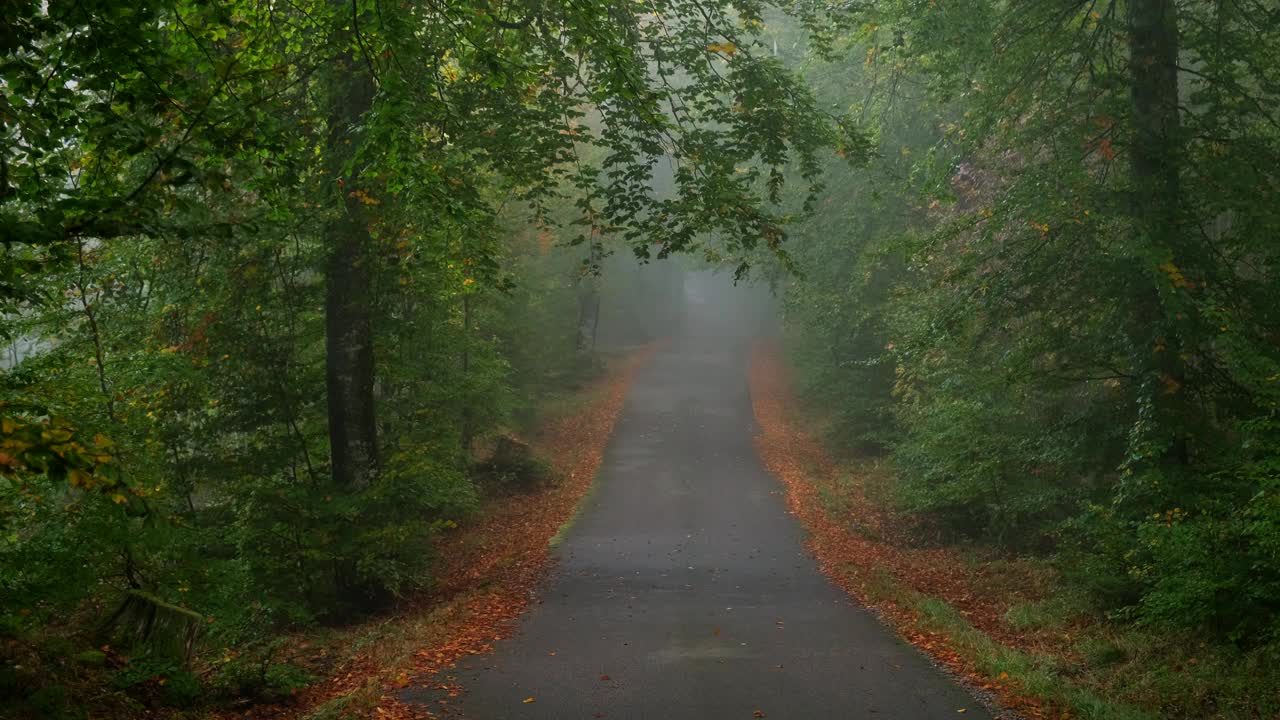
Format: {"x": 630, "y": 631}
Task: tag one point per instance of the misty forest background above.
{"x": 277, "y": 278}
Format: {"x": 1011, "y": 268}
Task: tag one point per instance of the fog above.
{"x": 657, "y": 300}
{"x": 332, "y": 386}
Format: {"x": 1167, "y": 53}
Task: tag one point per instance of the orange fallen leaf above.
{"x": 506, "y": 551}
{"x": 805, "y": 470}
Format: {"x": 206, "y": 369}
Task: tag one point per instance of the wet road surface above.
{"x": 684, "y": 590}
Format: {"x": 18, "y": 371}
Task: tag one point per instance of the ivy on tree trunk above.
{"x": 349, "y": 358}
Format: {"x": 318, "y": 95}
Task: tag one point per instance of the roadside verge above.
{"x": 945, "y": 601}
{"x": 488, "y": 572}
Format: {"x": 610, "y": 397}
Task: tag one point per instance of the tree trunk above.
{"x": 1153, "y": 61}
{"x": 589, "y": 302}
{"x": 588, "y": 314}
{"x": 1155, "y": 161}
{"x": 468, "y": 420}
{"x": 349, "y": 363}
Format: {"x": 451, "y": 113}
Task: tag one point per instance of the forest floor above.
{"x": 488, "y": 570}
{"x": 1009, "y": 625}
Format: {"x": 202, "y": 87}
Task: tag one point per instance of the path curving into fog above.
{"x": 684, "y": 591}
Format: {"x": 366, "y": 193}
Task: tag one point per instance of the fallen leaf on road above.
{"x": 528, "y": 700}
{"x": 758, "y": 713}
{"x": 849, "y": 555}
{"x": 503, "y": 552}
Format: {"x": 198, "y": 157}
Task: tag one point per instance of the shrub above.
{"x": 166, "y": 679}
{"x": 256, "y": 675}
{"x": 513, "y": 466}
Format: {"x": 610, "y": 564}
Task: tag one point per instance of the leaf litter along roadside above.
{"x": 865, "y": 550}
{"x": 489, "y": 570}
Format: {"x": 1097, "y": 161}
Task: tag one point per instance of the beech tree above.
{"x": 1070, "y": 335}
{"x": 252, "y": 244}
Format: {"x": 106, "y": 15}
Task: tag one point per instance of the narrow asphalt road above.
{"x": 684, "y": 589}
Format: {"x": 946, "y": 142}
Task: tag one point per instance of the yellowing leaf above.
{"x": 724, "y": 48}
{"x": 57, "y": 435}
{"x": 80, "y": 478}
{"x": 364, "y": 197}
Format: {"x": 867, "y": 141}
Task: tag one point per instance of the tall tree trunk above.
{"x": 1155, "y": 161}
{"x": 588, "y": 313}
{"x": 349, "y": 363}
{"x": 589, "y": 302}
{"x": 468, "y": 419}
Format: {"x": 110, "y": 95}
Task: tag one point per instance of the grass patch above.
{"x": 1101, "y": 653}
{"x": 1132, "y": 675}
{"x": 881, "y": 586}
{"x": 837, "y": 498}
{"x": 1037, "y": 675}
{"x": 832, "y": 498}
{"x": 346, "y": 707}
{"x": 1098, "y": 671}
{"x": 878, "y": 485}
{"x": 1183, "y": 677}
{"x": 1055, "y": 612}
{"x": 1040, "y": 676}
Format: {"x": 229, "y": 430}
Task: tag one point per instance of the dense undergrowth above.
{"x": 482, "y": 568}
{"x": 1050, "y": 310}
{"x": 1014, "y": 625}
{"x": 248, "y": 562}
